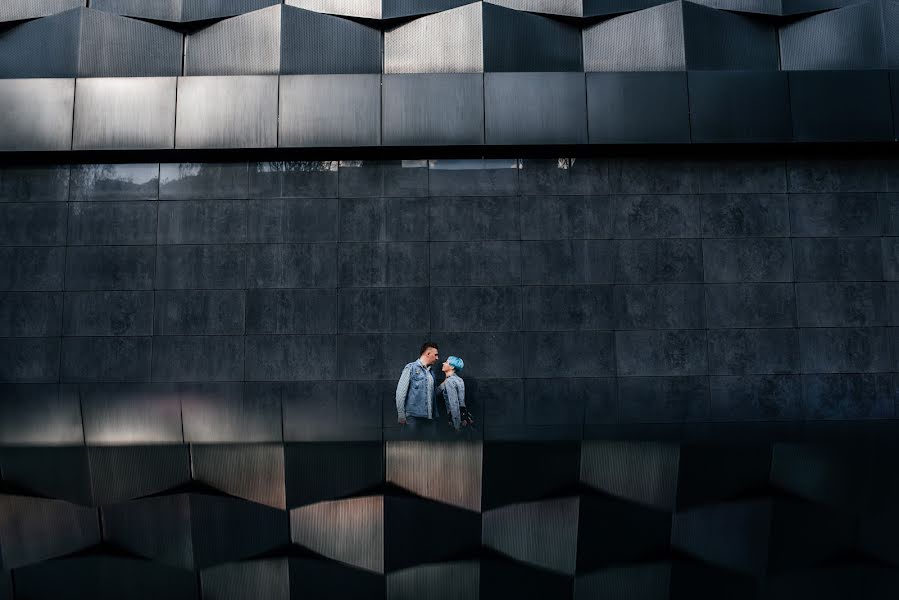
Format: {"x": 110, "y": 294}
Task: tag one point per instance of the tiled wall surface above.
{"x": 269, "y": 302}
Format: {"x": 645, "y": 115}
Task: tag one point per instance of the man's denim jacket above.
{"x": 415, "y": 392}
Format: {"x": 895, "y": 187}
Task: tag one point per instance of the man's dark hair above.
{"x": 426, "y": 345}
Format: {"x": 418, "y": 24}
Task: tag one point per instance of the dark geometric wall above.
{"x": 800, "y": 517}
{"x": 270, "y": 302}
{"x": 322, "y": 73}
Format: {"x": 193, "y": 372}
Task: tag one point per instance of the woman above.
{"x": 453, "y": 391}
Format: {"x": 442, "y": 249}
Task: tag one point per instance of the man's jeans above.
{"x": 419, "y": 428}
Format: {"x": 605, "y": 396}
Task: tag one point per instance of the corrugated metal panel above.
{"x": 638, "y": 108}
{"x": 140, "y": 49}
{"x": 350, "y": 531}
{"x": 267, "y": 579}
{"x": 641, "y": 472}
{"x": 325, "y": 471}
{"x": 543, "y": 534}
{"x": 764, "y": 7}
{"x": 227, "y": 112}
{"x": 120, "y": 473}
{"x": 518, "y": 41}
{"x": 644, "y": 581}
{"x": 156, "y": 528}
{"x": 246, "y": 45}
{"x": 47, "y": 47}
{"x": 448, "y": 42}
{"x": 891, "y": 24}
{"x": 32, "y": 415}
{"x": 848, "y": 38}
{"x": 448, "y": 581}
{"x": 432, "y": 109}
{"x": 104, "y": 578}
{"x": 366, "y": 9}
{"x": 535, "y": 108}
{"x": 216, "y": 414}
{"x": 35, "y": 529}
{"x": 566, "y": 8}
{"x": 378, "y": 9}
{"x": 716, "y": 39}
{"x": 125, "y": 113}
{"x": 329, "y": 110}
{"x": 225, "y": 529}
{"x": 449, "y": 472}
{"x": 56, "y": 472}
{"x": 18, "y": 10}
{"x": 313, "y": 43}
{"x": 131, "y": 414}
{"x": 180, "y": 10}
{"x": 647, "y": 40}
{"x": 36, "y": 114}
{"x": 254, "y": 472}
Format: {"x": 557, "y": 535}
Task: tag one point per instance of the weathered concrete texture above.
{"x": 580, "y": 292}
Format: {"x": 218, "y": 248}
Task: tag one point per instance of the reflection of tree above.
{"x": 301, "y": 166}
{"x": 112, "y": 178}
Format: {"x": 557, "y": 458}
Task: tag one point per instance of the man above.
{"x": 416, "y": 407}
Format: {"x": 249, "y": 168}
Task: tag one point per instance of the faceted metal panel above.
{"x": 313, "y": 43}
{"x": 449, "y": 472}
{"x": 637, "y": 108}
{"x": 647, "y": 40}
{"x": 229, "y": 414}
{"x": 142, "y": 49}
{"x": 543, "y": 534}
{"x": 131, "y": 414}
{"x": 105, "y": 578}
{"x": 41, "y": 414}
{"x": 641, "y": 472}
{"x": 350, "y": 531}
{"x": 763, "y": 7}
{"x": 266, "y": 579}
{"x": 180, "y": 11}
{"x": 253, "y": 472}
{"x": 841, "y": 106}
{"x": 378, "y": 9}
{"x": 120, "y": 473}
{"x": 565, "y": 8}
{"x": 36, "y": 114}
{"x": 432, "y": 110}
{"x": 20, "y": 10}
{"x": 716, "y": 39}
{"x": 739, "y": 106}
{"x": 444, "y": 581}
{"x": 329, "y": 110}
{"x": 447, "y": 42}
{"x": 847, "y": 38}
{"x": 47, "y": 47}
{"x": 227, "y": 112}
{"x": 36, "y": 529}
{"x": 158, "y": 528}
{"x": 125, "y": 114}
{"x": 225, "y": 529}
{"x": 321, "y": 471}
{"x": 535, "y": 108}
{"x": 77, "y": 42}
{"x": 60, "y": 472}
{"x": 246, "y": 45}
{"x": 517, "y": 41}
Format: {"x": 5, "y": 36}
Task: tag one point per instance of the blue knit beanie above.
{"x": 456, "y": 363}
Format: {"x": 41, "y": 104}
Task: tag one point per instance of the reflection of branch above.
{"x": 284, "y": 166}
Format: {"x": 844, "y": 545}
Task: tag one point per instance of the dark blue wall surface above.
{"x": 280, "y": 301}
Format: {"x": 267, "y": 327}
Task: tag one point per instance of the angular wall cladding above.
{"x": 481, "y": 37}
{"x": 181, "y": 11}
{"x": 282, "y": 39}
{"x": 76, "y": 44}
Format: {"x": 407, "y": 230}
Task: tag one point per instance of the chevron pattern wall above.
{"x": 405, "y": 519}
{"x": 368, "y": 73}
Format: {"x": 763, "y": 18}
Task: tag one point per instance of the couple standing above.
{"x": 416, "y": 406}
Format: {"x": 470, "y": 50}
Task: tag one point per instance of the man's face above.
{"x": 430, "y": 357}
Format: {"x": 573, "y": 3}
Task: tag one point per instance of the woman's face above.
{"x": 446, "y": 368}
